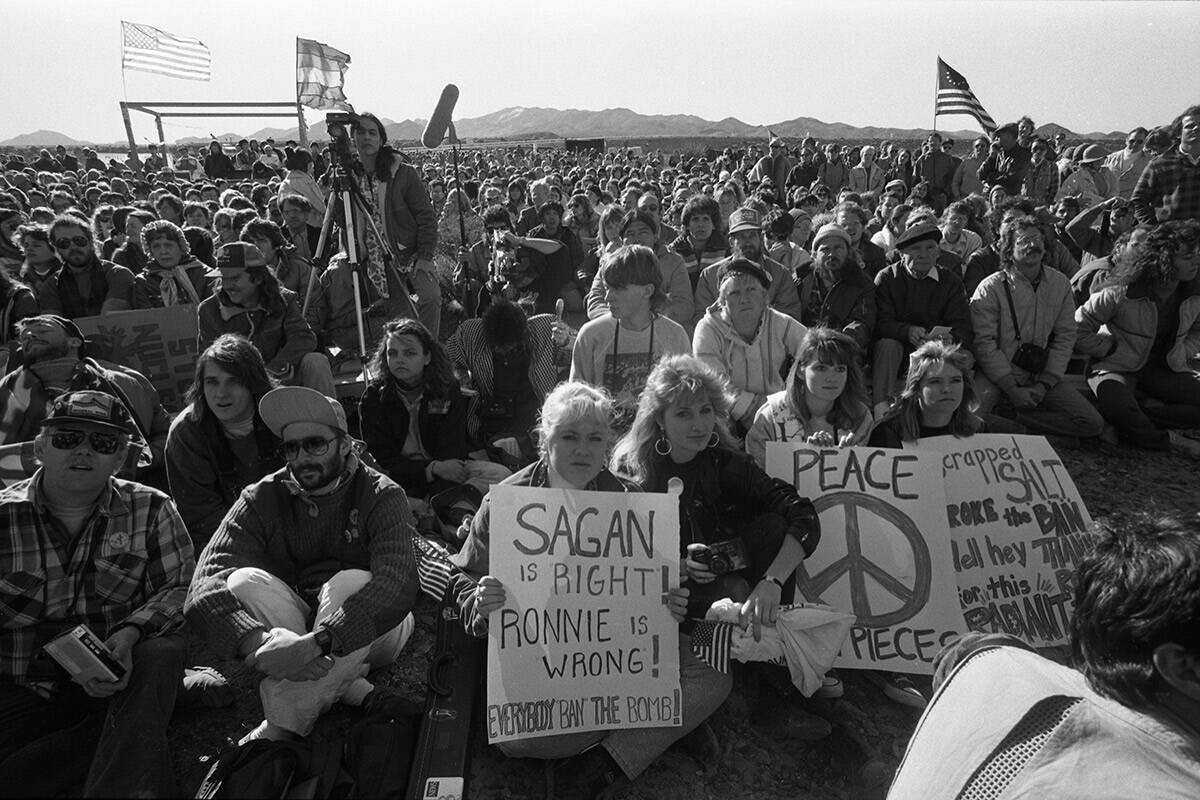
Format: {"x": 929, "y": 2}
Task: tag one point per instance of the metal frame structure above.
{"x": 187, "y": 110}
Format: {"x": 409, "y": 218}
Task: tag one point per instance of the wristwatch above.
{"x": 324, "y": 640}
{"x": 774, "y": 580}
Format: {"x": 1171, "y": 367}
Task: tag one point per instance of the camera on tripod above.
{"x": 337, "y": 124}
{"x": 505, "y": 264}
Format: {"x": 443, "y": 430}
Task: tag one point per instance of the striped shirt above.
{"x": 129, "y": 565}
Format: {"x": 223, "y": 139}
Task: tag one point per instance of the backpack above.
{"x": 303, "y": 770}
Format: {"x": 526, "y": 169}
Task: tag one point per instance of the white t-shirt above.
{"x": 623, "y": 370}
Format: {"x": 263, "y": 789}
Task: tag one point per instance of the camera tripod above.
{"x": 347, "y": 203}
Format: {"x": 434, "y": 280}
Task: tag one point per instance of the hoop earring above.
{"x": 714, "y": 439}
{"x": 658, "y": 450}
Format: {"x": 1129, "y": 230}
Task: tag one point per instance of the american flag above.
{"x": 151, "y": 50}
{"x": 433, "y": 566}
{"x": 712, "y": 643}
{"x": 320, "y": 75}
{"x": 954, "y": 96}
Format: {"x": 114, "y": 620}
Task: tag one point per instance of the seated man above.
{"x": 835, "y": 292}
{"x": 311, "y": 576}
{"x": 639, "y": 227}
{"x": 746, "y": 241}
{"x": 85, "y": 286}
{"x": 1124, "y": 723}
{"x": 251, "y": 302}
{"x": 747, "y": 341}
{"x": 55, "y": 362}
{"x": 913, "y": 300}
{"x": 1024, "y": 322}
{"x": 84, "y": 548}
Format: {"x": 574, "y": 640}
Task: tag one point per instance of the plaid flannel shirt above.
{"x": 130, "y": 565}
{"x": 1168, "y": 189}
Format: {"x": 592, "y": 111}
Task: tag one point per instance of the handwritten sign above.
{"x": 884, "y": 552}
{"x": 1018, "y": 528}
{"x": 584, "y": 641}
{"x": 160, "y": 343}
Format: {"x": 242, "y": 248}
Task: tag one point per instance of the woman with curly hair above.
{"x": 1143, "y": 334}
{"x": 727, "y": 505}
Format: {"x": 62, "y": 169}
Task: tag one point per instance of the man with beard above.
{"x": 835, "y": 292}
{"x": 311, "y": 577}
{"x": 86, "y": 286}
{"x": 54, "y": 363}
{"x": 746, "y": 241}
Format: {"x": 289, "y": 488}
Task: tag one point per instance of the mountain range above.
{"x": 612, "y": 123}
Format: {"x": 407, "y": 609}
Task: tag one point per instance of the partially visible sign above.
{"x": 160, "y": 343}
{"x": 884, "y": 552}
{"x": 585, "y": 640}
{"x": 1018, "y": 529}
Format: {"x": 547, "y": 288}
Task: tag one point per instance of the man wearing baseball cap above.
{"x": 913, "y": 299}
{"x": 311, "y": 576}
{"x": 746, "y": 241}
{"x": 81, "y": 547}
{"x": 250, "y": 302}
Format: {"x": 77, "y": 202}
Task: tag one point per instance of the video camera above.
{"x": 337, "y": 124}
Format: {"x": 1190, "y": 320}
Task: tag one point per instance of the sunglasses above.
{"x": 313, "y": 445}
{"x": 103, "y": 443}
{"x": 64, "y": 243}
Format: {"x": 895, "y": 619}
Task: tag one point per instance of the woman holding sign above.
{"x": 825, "y": 403}
{"x": 743, "y": 533}
{"x": 575, "y": 435}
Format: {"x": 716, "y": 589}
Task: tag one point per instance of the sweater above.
{"x": 304, "y": 540}
{"x": 903, "y": 301}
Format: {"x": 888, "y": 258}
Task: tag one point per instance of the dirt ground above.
{"x": 870, "y": 731}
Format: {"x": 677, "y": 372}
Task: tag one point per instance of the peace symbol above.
{"x": 857, "y": 567}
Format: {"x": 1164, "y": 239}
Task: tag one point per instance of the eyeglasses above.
{"x": 313, "y": 445}
{"x": 64, "y": 243}
{"x": 103, "y": 443}
{"x": 1137, "y": 141}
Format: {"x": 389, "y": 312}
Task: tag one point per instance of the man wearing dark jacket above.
{"x": 835, "y": 292}
{"x": 1007, "y": 167}
{"x": 913, "y": 299}
{"x": 251, "y": 303}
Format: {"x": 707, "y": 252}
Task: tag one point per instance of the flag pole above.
{"x": 303, "y": 132}
{"x": 937, "y": 76}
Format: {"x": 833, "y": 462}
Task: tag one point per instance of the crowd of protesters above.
{"x": 574, "y": 319}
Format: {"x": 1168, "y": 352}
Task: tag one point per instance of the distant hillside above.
{"x": 42, "y": 139}
{"x": 615, "y": 123}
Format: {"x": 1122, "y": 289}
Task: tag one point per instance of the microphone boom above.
{"x": 435, "y": 131}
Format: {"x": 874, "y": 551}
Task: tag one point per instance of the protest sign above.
{"x": 160, "y": 343}
{"x": 1018, "y": 527}
{"x": 584, "y": 641}
{"x": 884, "y": 552}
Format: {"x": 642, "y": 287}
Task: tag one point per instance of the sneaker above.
{"x": 899, "y": 688}
{"x": 831, "y": 687}
{"x": 204, "y": 686}
{"x": 1184, "y": 445}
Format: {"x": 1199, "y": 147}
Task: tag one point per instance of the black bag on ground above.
{"x": 305, "y": 770}
{"x": 379, "y": 750}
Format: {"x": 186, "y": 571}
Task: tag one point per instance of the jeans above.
{"x": 1146, "y": 426}
{"x": 1064, "y": 411}
{"x": 116, "y": 746}
{"x": 315, "y": 373}
{"x": 296, "y": 705}
{"x": 702, "y": 690}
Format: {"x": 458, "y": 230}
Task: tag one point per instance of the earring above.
{"x": 659, "y": 450}
{"x": 714, "y": 440}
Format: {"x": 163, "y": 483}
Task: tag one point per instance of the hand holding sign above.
{"x": 489, "y": 595}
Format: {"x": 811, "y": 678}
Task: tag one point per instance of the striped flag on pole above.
{"x": 320, "y": 75}
{"x": 954, "y": 96}
{"x": 151, "y": 50}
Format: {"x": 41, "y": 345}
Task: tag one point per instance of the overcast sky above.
{"x": 1091, "y": 66}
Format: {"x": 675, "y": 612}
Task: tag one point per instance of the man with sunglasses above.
{"x": 81, "y": 547}
{"x": 1127, "y": 164}
{"x": 86, "y": 286}
{"x": 311, "y": 576}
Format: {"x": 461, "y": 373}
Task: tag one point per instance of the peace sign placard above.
{"x": 884, "y": 552}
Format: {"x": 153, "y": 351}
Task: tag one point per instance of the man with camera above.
{"x": 1024, "y": 321}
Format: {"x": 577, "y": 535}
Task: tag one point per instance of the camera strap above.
{"x": 612, "y": 377}
{"x": 1012, "y": 310}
